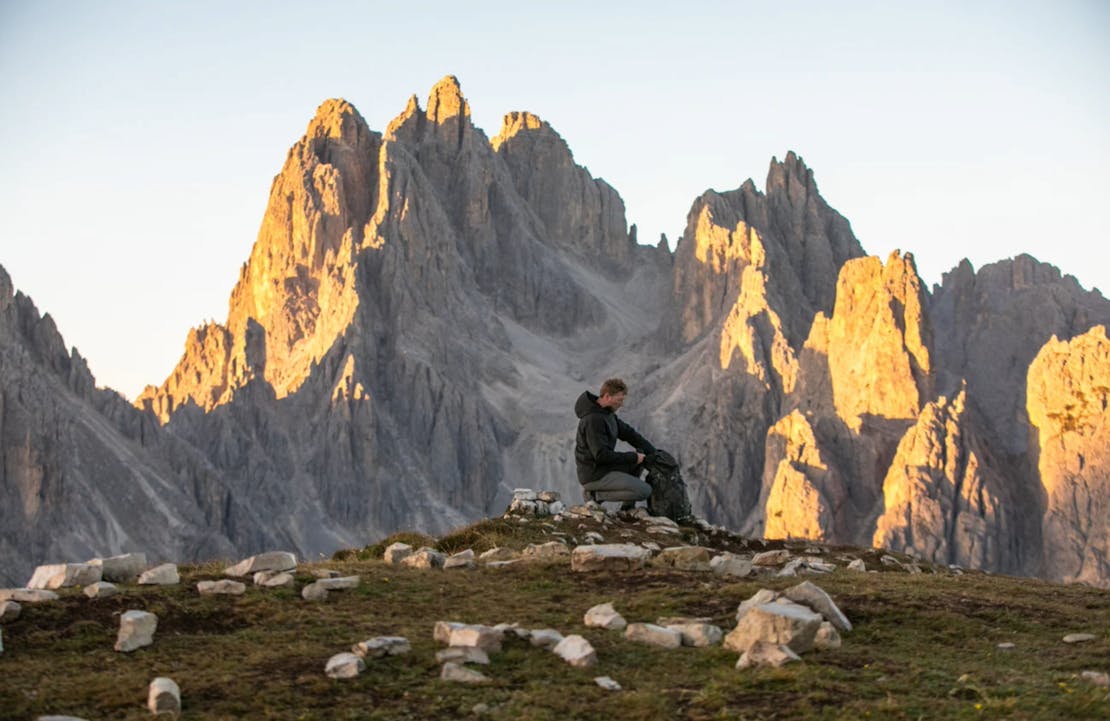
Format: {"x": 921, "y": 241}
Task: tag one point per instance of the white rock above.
{"x": 546, "y": 638}
{"x": 513, "y": 628}
{"x": 1007, "y": 646}
{"x": 550, "y": 551}
{"x": 382, "y": 646}
{"x": 483, "y": 637}
{"x": 605, "y": 616}
{"x": 314, "y": 592}
{"x": 771, "y": 558}
{"x": 462, "y": 654}
{"x": 607, "y": 683}
{"x": 729, "y": 564}
{"x": 504, "y": 564}
{"x": 424, "y": 558}
{"x": 443, "y": 629}
{"x": 64, "y": 575}
{"x": 101, "y": 589}
{"x": 397, "y": 552}
{"x": 124, "y": 568}
{"x": 1079, "y": 637}
{"x": 652, "y": 546}
{"x": 525, "y": 494}
{"x": 318, "y": 573}
{"x": 664, "y": 531}
{"x": 776, "y": 623}
{"x": 698, "y": 635}
{"x": 684, "y": 558}
{"x": 462, "y": 559}
{"x": 594, "y": 537}
{"x": 809, "y": 594}
{"x": 654, "y": 635}
{"x": 163, "y": 575}
{"x": 763, "y": 653}
{"x": 576, "y": 651}
{"x": 556, "y": 507}
{"x": 164, "y": 696}
{"x": 827, "y": 638}
{"x": 658, "y": 520}
{"x": 760, "y": 597}
{"x": 274, "y": 579}
{"x": 497, "y": 554}
{"x": 857, "y": 565}
{"x": 454, "y": 672}
{"x": 608, "y": 557}
{"x": 136, "y": 629}
{"x": 549, "y": 496}
{"x": 9, "y": 611}
{"x": 817, "y": 565}
{"x": 271, "y": 561}
{"x": 222, "y": 587}
{"x": 27, "y": 595}
{"x": 344, "y": 665}
{"x": 1098, "y": 678}
{"x": 339, "y": 584}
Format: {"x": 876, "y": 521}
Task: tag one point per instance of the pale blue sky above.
{"x": 140, "y": 138}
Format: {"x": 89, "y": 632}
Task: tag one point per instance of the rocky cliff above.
{"x": 423, "y": 304}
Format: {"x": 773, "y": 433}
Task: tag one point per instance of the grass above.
{"x": 924, "y": 645}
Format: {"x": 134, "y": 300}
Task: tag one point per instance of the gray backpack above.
{"x": 668, "y": 490}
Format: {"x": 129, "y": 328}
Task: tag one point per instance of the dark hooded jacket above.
{"x": 599, "y": 429}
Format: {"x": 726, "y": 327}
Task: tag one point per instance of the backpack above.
{"x": 668, "y": 490}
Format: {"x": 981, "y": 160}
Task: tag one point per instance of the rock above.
{"x": 64, "y": 575}
{"x": 272, "y": 561}
{"x": 654, "y": 635}
{"x": 316, "y": 573}
{"x": 163, "y": 575}
{"x": 103, "y": 589}
{"x": 776, "y": 623}
{"x": 223, "y": 587}
{"x": 382, "y": 646}
{"x": 729, "y": 564}
{"x": 771, "y": 558}
{"x": 497, "y": 554}
{"x": 605, "y": 616}
{"x": 124, "y": 568}
{"x": 462, "y": 559}
{"x": 827, "y": 638}
{"x": 58, "y": 718}
{"x": 1079, "y": 637}
{"x": 684, "y": 558}
{"x": 314, "y": 592}
{"x": 808, "y": 594}
{"x": 609, "y": 557}
{"x": 338, "y": 584}
{"x": 1098, "y": 678}
{"x": 546, "y": 638}
{"x": 483, "y": 637}
{"x": 443, "y": 629}
{"x": 27, "y": 595}
{"x": 664, "y": 530}
{"x": 607, "y": 683}
{"x": 1007, "y": 646}
{"x": 593, "y": 537}
{"x": 274, "y": 579}
{"x": 425, "y": 558}
{"x": 164, "y": 696}
{"x": 649, "y": 545}
{"x": 525, "y": 494}
{"x": 548, "y": 497}
{"x": 576, "y": 651}
{"x": 698, "y": 635}
{"x": 460, "y": 674}
{"x": 550, "y": 551}
{"x": 760, "y": 597}
{"x": 764, "y": 653}
{"x": 344, "y": 665}
{"x": 136, "y": 629}
{"x": 9, "y": 611}
{"x": 462, "y": 654}
{"x": 514, "y": 628}
{"x": 397, "y": 552}
{"x": 857, "y": 565}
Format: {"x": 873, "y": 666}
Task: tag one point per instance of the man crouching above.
{"x": 605, "y": 474}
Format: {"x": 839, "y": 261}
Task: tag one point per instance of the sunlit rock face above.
{"x": 1068, "y": 394}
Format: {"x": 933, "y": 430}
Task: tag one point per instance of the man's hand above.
{"x": 639, "y": 458}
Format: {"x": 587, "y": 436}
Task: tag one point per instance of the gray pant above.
{"x": 618, "y": 486}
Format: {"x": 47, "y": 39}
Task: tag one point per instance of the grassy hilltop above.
{"x": 924, "y": 644}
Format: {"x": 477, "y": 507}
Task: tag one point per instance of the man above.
{"x": 606, "y": 474}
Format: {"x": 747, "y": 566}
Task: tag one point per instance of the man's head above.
{"x": 612, "y": 394}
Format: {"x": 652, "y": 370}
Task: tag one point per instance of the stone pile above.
{"x": 351, "y": 663}
{"x": 773, "y": 628}
{"x": 527, "y": 502}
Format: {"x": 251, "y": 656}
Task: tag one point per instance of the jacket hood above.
{"x": 587, "y": 404}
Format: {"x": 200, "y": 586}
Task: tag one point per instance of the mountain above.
{"x": 423, "y": 305}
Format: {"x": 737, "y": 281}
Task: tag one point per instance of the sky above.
{"x": 140, "y": 139}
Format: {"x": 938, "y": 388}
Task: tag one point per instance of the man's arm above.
{"x": 630, "y": 435}
{"x": 599, "y": 451}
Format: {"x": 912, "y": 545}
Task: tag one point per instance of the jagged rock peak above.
{"x": 791, "y": 171}
{"x": 446, "y": 101}
{"x": 338, "y": 119}
{"x": 520, "y": 121}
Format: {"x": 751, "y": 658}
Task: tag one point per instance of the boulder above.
{"x": 443, "y": 629}
{"x": 483, "y": 637}
{"x": 609, "y": 557}
{"x": 344, "y": 665}
{"x": 9, "y": 611}
{"x": 764, "y": 653}
{"x": 314, "y": 592}
{"x": 776, "y": 623}
{"x": 462, "y": 559}
{"x": 222, "y": 587}
{"x": 163, "y": 575}
{"x": 699, "y": 635}
{"x": 462, "y": 654}
{"x": 729, "y": 564}
{"x": 164, "y": 696}
{"x": 857, "y": 565}
{"x": 396, "y": 552}
{"x": 760, "y": 597}
{"x": 771, "y": 558}
{"x": 425, "y": 558}
{"x": 605, "y": 616}
{"x": 64, "y": 575}
{"x": 546, "y": 638}
{"x": 460, "y": 674}
{"x": 550, "y": 551}
{"x": 272, "y": 561}
{"x": 828, "y": 638}
{"x": 27, "y": 595}
{"x": 120, "y": 569}
{"x": 381, "y": 646}
{"x": 274, "y": 579}
{"x": 809, "y": 594}
{"x": 338, "y": 584}
{"x": 684, "y": 558}
{"x": 498, "y": 554}
{"x": 576, "y": 651}
{"x": 525, "y": 494}
{"x": 548, "y": 497}
{"x": 101, "y": 589}
{"x": 136, "y": 629}
{"x": 653, "y": 635}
